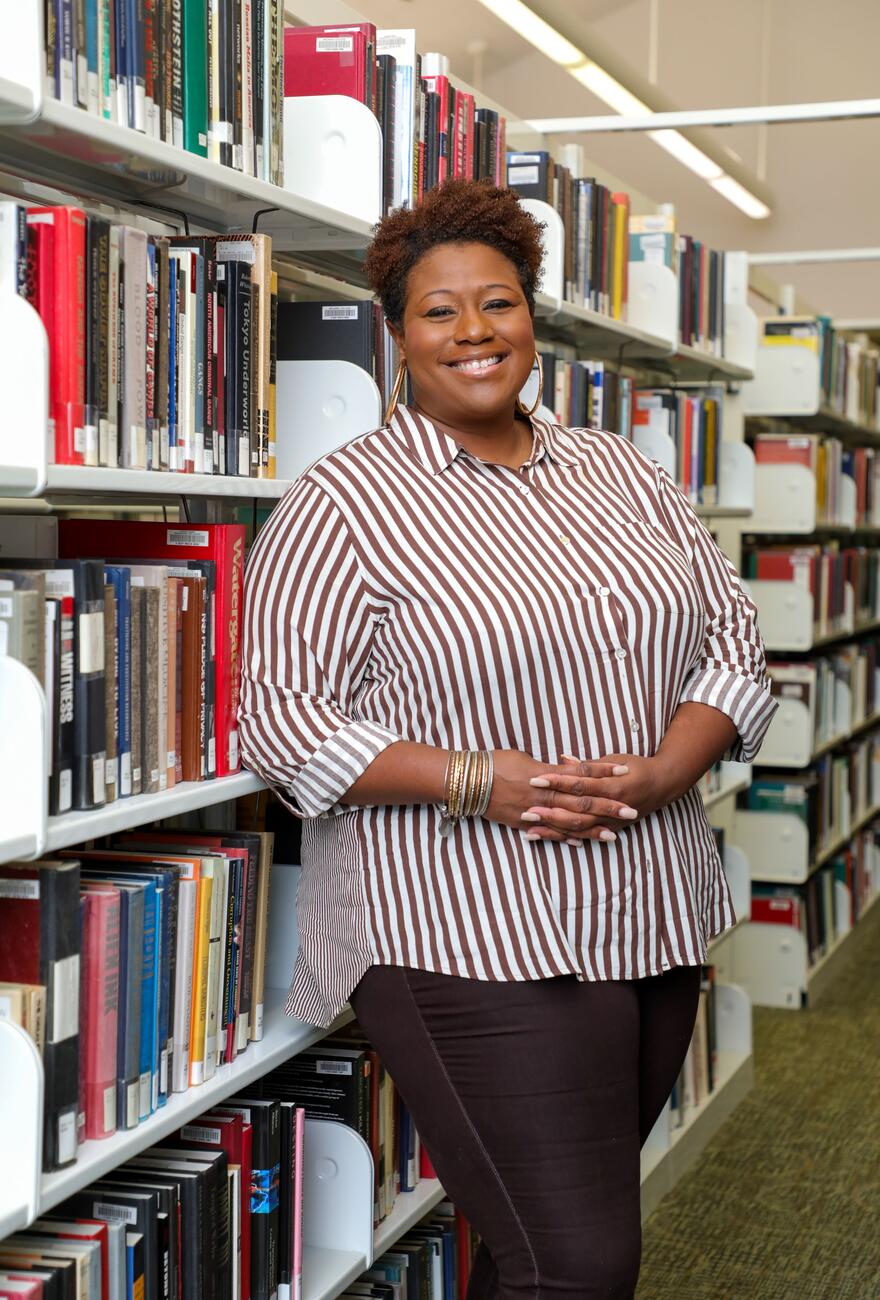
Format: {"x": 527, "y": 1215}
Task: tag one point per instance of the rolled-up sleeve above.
{"x": 731, "y": 674}
{"x": 307, "y": 631}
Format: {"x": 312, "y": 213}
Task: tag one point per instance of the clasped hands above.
{"x": 578, "y": 799}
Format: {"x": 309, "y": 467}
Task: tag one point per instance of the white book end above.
{"x": 21, "y": 62}
{"x": 24, "y": 383}
{"x": 653, "y": 300}
{"x": 736, "y": 476}
{"x": 24, "y": 762}
{"x": 321, "y": 406}
{"x": 739, "y": 880}
{"x": 657, "y": 444}
{"x": 333, "y": 154}
{"x": 337, "y": 1189}
{"x": 785, "y": 499}
{"x": 740, "y": 335}
{"x": 553, "y": 266}
{"x": 21, "y": 1128}
{"x": 786, "y": 381}
{"x": 785, "y": 612}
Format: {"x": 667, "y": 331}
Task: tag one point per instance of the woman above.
{"x": 488, "y": 658}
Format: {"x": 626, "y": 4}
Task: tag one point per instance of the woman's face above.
{"x": 467, "y": 333}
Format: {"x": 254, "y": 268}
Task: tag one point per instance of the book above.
{"x": 99, "y": 1016}
{"x": 25, "y": 1005}
{"x": 264, "y": 1115}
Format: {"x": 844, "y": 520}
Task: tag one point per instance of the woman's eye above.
{"x": 499, "y": 302}
{"x": 439, "y": 311}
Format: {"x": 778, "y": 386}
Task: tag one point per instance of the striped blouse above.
{"x": 404, "y": 589}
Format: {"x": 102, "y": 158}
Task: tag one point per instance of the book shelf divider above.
{"x": 333, "y": 155}
{"x": 24, "y": 382}
{"x": 552, "y": 267}
{"x": 337, "y": 1189}
{"x": 740, "y": 335}
{"x": 21, "y": 1127}
{"x": 657, "y": 444}
{"x": 653, "y": 300}
{"x": 321, "y": 405}
{"x": 786, "y": 381}
{"x": 736, "y": 476}
{"x": 785, "y": 613}
{"x": 22, "y": 63}
{"x": 739, "y": 879}
{"x": 785, "y": 499}
{"x": 24, "y": 762}
{"x": 789, "y": 740}
{"x": 776, "y": 844}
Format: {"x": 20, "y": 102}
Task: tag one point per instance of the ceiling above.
{"x": 822, "y": 180}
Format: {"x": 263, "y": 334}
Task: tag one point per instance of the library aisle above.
{"x": 786, "y": 1195}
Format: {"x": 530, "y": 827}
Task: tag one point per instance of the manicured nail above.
{"x": 570, "y": 758}
{"x": 619, "y": 770}
{"x": 540, "y": 781}
{"x": 628, "y": 813}
{"x": 574, "y": 843}
{"x": 533, "y": 835}
{"x": 608, "y": 836}
{"x": 530, "y": 817}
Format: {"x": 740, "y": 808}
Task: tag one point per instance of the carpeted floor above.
{"x": 784, "y": 1204}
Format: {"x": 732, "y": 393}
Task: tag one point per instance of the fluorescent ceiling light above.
{"x": 682, "y": 149}
{"x": 549, "y": 41}
{"x": 533, "y": 29}
{"x": 740, "y": 197}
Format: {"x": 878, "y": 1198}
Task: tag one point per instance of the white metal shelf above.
{"x": 409, "y": 1208}
{"x": 86, "y": 479}
{"x": 325, "y": 1273}
{"x": 605, "y": 337}
{"x": 692, "y": 363}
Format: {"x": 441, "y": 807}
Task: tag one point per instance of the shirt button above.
{"x": 604, "y": 591}
{"x": 524, "y": 487}
{"x": 621, "y": 654}
{"x": 564, "y": 539}
{"x": 633, "y": 725}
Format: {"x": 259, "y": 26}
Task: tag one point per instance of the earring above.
{"x": 519, "y": 406}
{"x": 395, "y": 392}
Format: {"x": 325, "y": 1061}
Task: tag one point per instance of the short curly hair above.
{"x": 456, "y": 212}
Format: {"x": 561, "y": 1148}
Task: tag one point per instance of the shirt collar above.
{"x": 436, "y": 450}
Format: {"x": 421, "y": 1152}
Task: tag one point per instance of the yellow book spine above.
{"x": 201, "y": 954}
{"x": 271, "y": 468}
{"x": 621, "y": 243}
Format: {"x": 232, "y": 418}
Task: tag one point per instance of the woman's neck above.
{"x": 504, "y": 439}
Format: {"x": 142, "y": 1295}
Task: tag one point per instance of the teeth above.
{"x": 475, "y": 367}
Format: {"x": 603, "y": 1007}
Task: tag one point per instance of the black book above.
{"x": 418, "y": 1276}
{"x": 212, "y": 1167}
{"x": 264, "y": 1114}
{"x": 112, "y": 1200}
{"x": 530, "y": 174}
{"x": 167, "y": 1225}
{"x": 330, "y": 1081}
{"x": 388, "y": 118}
{"x": 236, "y": 67}
{"x": 226, "y": 44}
{"x": 40, "y": 944}
{"x": 60, "y": 627}
{"x": 326, "y": 331}
{"x": 236, "y": 277}
{"x": 187, "y": 1197}
{"x": 177, "y": 71}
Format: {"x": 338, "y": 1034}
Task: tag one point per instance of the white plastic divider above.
{"x": 739, "y": 879}
{"x": 333, "y": 154}
{"x": 776, "y": 844}
{"x": 657, "y": 444}
{"x": 846, "y": 510}
{"x": 337, "y": 1189}
{"x": 552, "y": 267}
{"x": 22, "y": 61}
{"x": 786, "y": 381}
{"x": 736, "y": 476}
{"x": 740, "y": 335}
{"x": 771, "y": 964}
{"x": 653, "y": 300}
{"x": 24, "y": 762}
{"x": 24, "y": 382}
{"x": 785, "y": 499}
{"x": 21, "y": 1127}
{"x": 789, "y": 738}
{"x": 321, "y": 405}
{"x": 785, "y": 612}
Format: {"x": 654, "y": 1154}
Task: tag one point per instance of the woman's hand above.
{"x": 513, "y": 796}
{"x": 566, "y": 799}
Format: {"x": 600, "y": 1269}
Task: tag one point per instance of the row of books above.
{"x": 150, "y": 954}
{"x": 840, "y": 691}
{"x": 838, "y": 790}
{"x": 432, "y": 1262}
{"x": 831, "y": 902}
{"x": 692, "y": 421}
{"x": 699, "y": 1072}
{"x": 205, "y": 75}
{"x": 700, "y": 273}
{"x": 849, "y": 366}
{"x": 431, "y": 130}
{"x": 596, "y": 225}
{"x": 138, "y": 651}
{"x": 843, "y": 582}
{"x": 161, "y": 350}
{"x": 835, "y": 467}
{"x": 586, "y": 394}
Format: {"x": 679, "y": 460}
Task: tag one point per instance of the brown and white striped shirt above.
{"x": 406, "y": 590}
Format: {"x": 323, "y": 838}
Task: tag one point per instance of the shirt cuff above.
{"x": 747, "y": 703}
{"x": 337, "y": 764}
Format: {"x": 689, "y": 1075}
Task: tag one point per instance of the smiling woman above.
{"x": 487, "y": 658}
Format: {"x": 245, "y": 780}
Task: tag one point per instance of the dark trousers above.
{"x": 534, "y": 1100}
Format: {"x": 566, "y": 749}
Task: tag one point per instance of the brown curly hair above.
{"x": 456, "y": 212}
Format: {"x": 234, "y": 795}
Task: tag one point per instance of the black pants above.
{"x": 534, "y": 1100}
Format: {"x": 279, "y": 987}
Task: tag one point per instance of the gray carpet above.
{"x": 784, "y": 1204}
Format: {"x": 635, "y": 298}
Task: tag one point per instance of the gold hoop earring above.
{"x": 519, "y": 406}
{"x": 395, "y": 392}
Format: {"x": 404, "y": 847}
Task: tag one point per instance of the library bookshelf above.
{"x": 319, "y": 234}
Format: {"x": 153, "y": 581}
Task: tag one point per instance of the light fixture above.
{"x": 740, "y": 197}
{"x": 600, "y": 83}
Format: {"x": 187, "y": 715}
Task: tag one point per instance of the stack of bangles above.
{"x": 467, "y": 786}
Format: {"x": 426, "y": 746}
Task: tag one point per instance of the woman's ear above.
{"x": 396, "y": 334}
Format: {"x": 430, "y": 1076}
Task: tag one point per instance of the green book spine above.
{"x": 195, "y": 76}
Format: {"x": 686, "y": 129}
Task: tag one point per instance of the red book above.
{"x": 440, "y": 86}
{"x": 99, "y": 1014}
{"x": 464, "y": 1243}
{"x": 468, "y": 109}
{"x": 65, "y": 279}
{"x": 220, "y": 544}
{"x": 786, "y": 449}
{"x": 318, "y": 63}
{"x": 426, "y": 1167}
{"x": 779, "y": 910}
{"x": 368, "y": 31}
{"x": 226, "y": 1130}
{"x": 80, "y": 1230}
{"x": 15, "y": 1286}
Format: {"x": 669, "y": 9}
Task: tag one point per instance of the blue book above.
{"x": 136, "y": 63}
{"x": 586, "y": 188}
{"x": 119, "y": 577}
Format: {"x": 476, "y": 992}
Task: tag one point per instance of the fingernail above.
{"x": 532, "y": 835}
{"x": 628, "y": 813}
{"x": 619, "y": 771}
{"x": 607, "y": 836}
{"x": 571, "y": 758}
{"x": 540, "y": 781}
{"x": 530, "y": 817}
{"x": 575, "y": 843}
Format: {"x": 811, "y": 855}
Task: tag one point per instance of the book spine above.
{"x": 51, "y": 41}
{"x": 177, "y": 61}
{"x": 109, "y": 443}
{"x": 111, "y": 700}
{"x": 258, "y": 60}
{"x": 151, "y": 67}
{"x": 133, "y": 377}
{"x": 209, "y": 347}
{"x": 93, "y": 100}
{"x": 237, "y": 84}
{"x": 163, "y": 338}
{"x": 201, "y": 956}
{"x": 271, "y": 438}
{"x": 137, "y": 610}
{"x": 60, "y": 974}
{"x": 152, "y": 441}
{"x": 195, "y": 77}
{"x": 66, "y": 64}
{"x": 187, "y": 910}
{"x": 103, "y": 993}
{"x": 80, "y": 61}
{"x": 244, "y": 331}
{"x": 275, "y": 77}
{"x": 245, "y": 1005}
{"x": 247, "y": 88}
{"x": 225, "y": 75}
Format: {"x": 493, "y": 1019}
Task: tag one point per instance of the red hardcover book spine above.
{"x": 100, "y": 947}
{"x": 66, "y": 327}
{"x": 777, "y": 911}
{"x": 240, "y": 1149}
{"x": 426, "y": 1167}
{"x": 463, "y": 1241}
{"x": 316, "y": 63}
{"x": 469, "y": 134}
{"x": 223, "y": 544}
